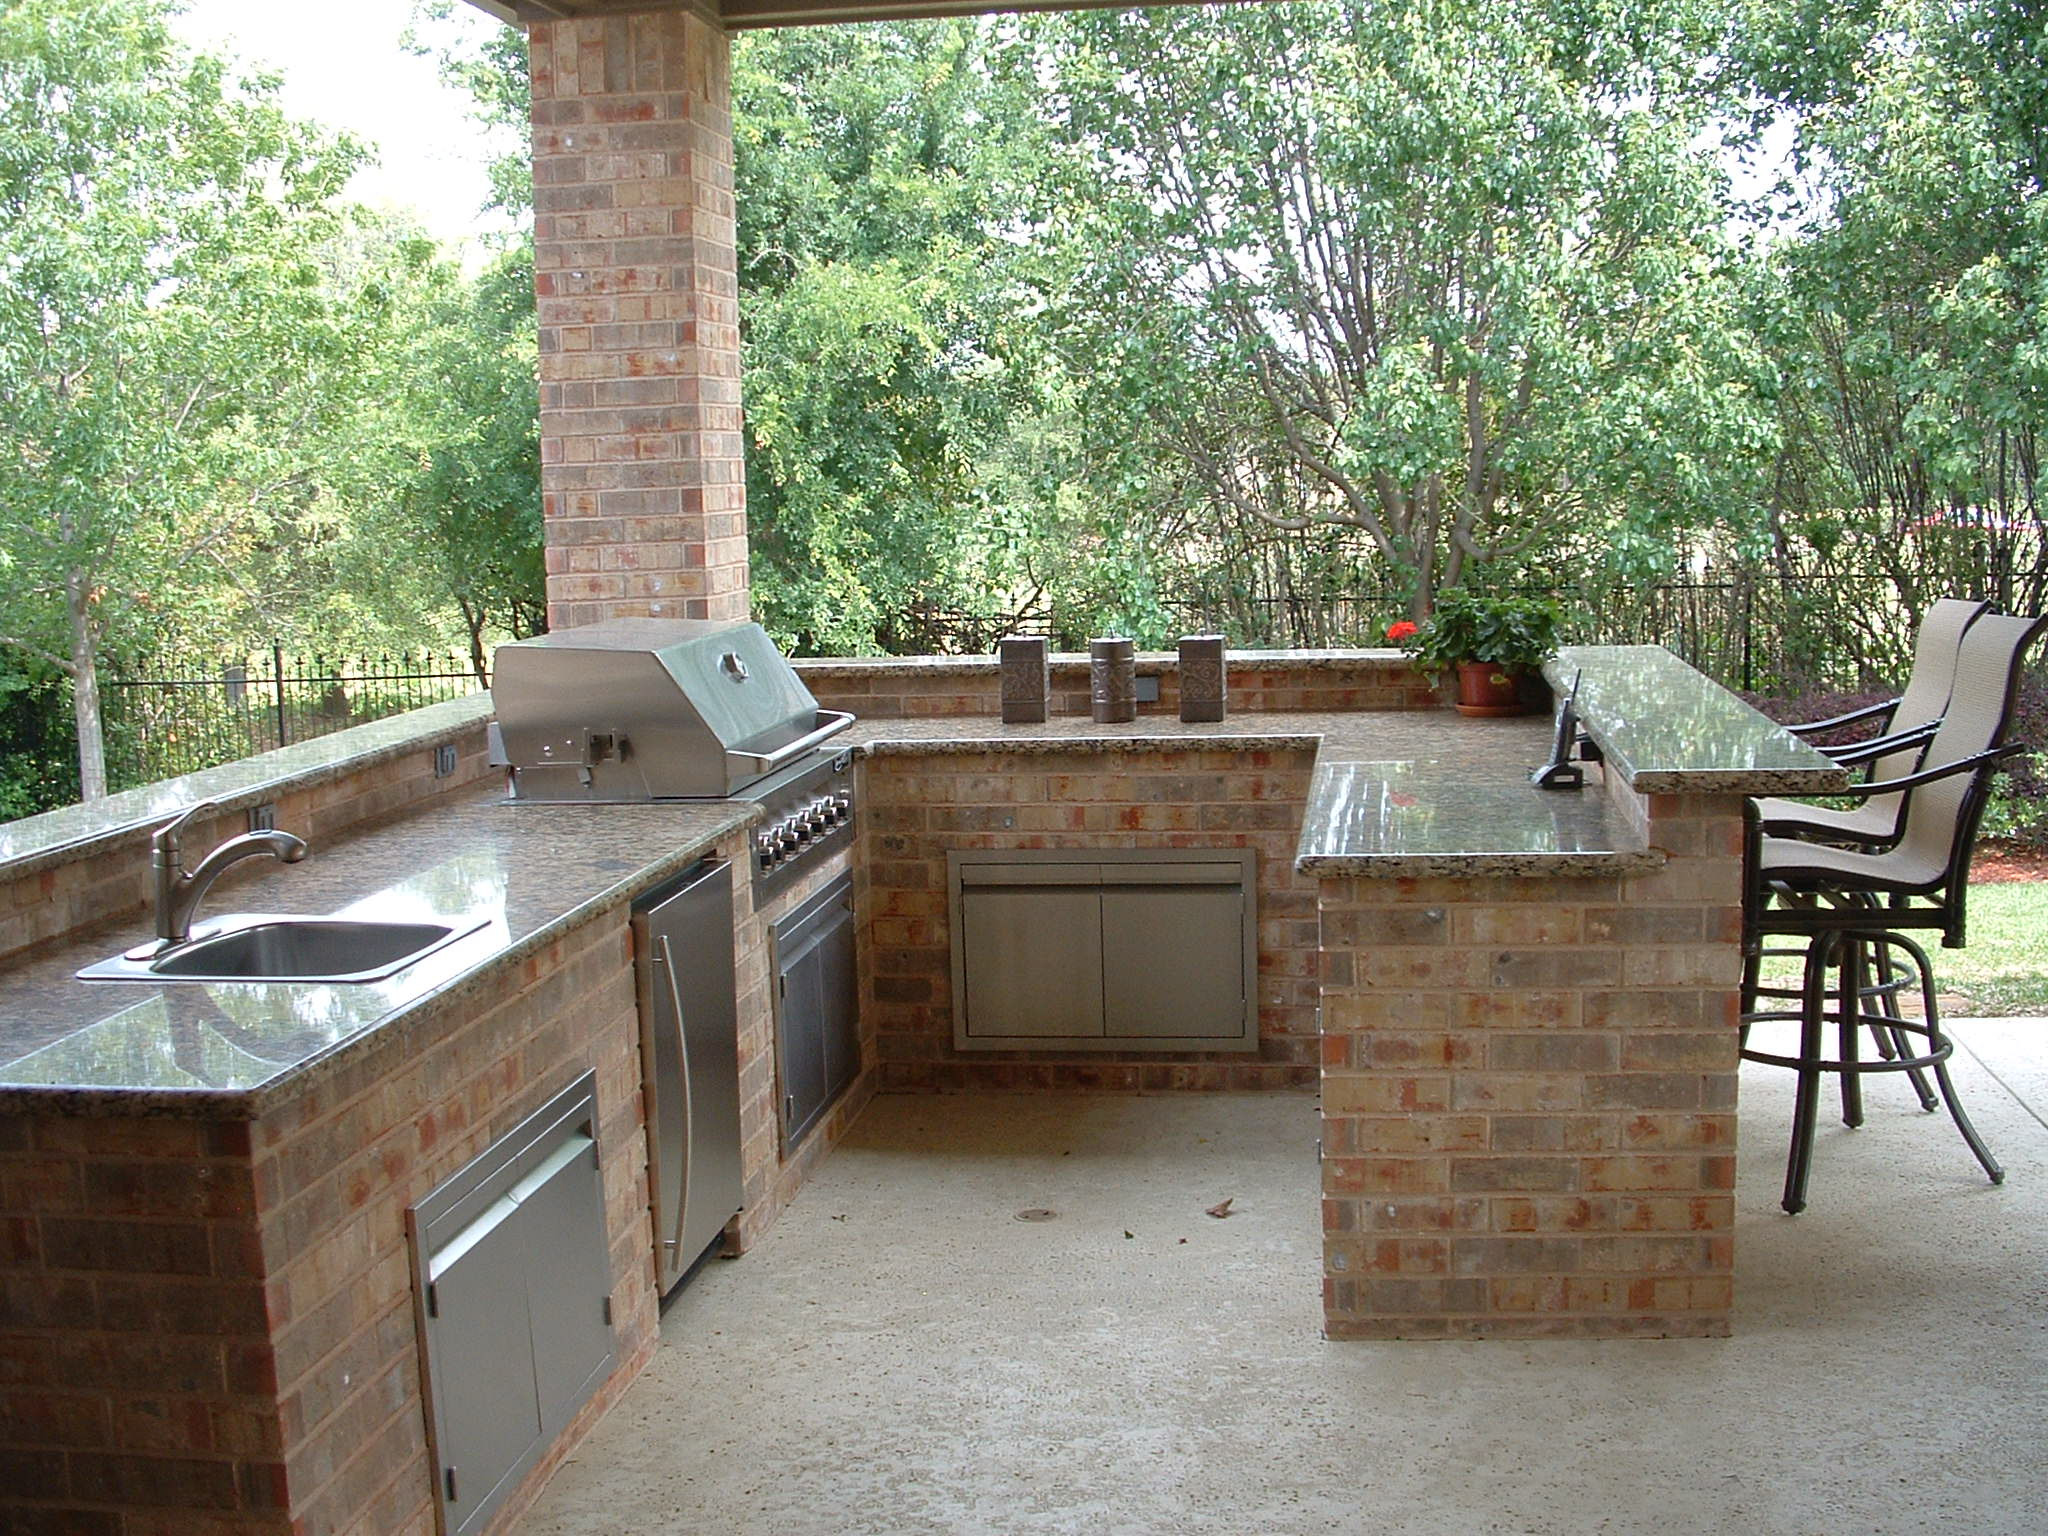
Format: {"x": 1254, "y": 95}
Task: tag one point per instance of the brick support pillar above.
{"x": 1529, "y": 1095}
{"x": 643, "y": 493}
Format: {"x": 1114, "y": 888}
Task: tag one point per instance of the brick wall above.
{"x": 135, "y": 1374}
{"x": 115, "y": 880}
{"x": 915, "y": 808}
{"x": 1529, "y": 1095}
{"x": 971, "y": 686}
{"x": 642, "y": 491}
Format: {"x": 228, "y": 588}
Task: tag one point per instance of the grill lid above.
{"x": 640, "y": 709}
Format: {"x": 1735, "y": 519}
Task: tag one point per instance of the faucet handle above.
{"x": 164, "y": 841}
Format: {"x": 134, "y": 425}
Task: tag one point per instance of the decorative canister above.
{"x": 1027, "y": 679}
{"x": 1203, "y": 682}
{"x": 1113, "y": 679}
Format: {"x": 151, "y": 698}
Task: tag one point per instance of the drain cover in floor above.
{"x": 1037, "y": 1213}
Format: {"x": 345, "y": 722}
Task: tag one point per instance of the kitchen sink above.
{"x": 252, "y": 947}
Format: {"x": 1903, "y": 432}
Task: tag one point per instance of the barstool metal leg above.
{"x": 1942, "y": 1047}
{"x": 1806, "y": 1097}
{"x": 1849, "y": 1026}
{"x": 1890, "y": 982}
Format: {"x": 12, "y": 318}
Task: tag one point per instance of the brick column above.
{"x": 1529, "y": 1095}
{"x": 643, "y": 494}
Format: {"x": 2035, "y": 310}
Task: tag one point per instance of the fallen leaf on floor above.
{"x": 1183, "y": 1240}
{"x": 1129, "y": 1233}
{"x": 1221, "y": 1208}
{"x": 840, "y": 1217}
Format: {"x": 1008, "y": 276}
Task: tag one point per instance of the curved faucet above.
{"x": 178, "y": 893}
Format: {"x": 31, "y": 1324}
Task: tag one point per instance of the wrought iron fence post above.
{"x": 277, "y": 688}
{"x": 1748, "y": 629}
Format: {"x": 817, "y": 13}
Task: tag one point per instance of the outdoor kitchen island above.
{"x": 1519, "y": 1005}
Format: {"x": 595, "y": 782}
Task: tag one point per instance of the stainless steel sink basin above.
{"x": 252, "y": 947}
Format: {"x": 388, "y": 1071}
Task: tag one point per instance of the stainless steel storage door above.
{"x": 689, "y": 1022}
{"x": 1104, "y": 949}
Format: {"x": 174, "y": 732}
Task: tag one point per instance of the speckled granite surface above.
{"x": 1394, "y": 794}
{"x": 1065, "y": 662}
{"x": 36, "y": 842}
{"x": 529, "y": 871}
{"x": 1674, "y": 731}
{"x": 1473, "y": 814}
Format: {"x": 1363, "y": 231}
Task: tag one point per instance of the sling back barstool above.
{"x": 1854, "y": 909}
{"x": 1907, "y": 720}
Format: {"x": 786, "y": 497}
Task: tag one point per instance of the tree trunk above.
{"x": 85, "y": 691}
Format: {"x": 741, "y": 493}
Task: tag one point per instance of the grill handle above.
{"x": 768, "y": 762}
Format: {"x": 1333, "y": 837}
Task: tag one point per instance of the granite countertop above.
{"x": 527, "y": 872}
{"x": 1394, "y": 794}
{"x": 38, "y": 842}
{"x": 1671, "y": 730}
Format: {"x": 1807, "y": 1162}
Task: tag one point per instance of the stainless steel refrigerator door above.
{"x": 683, "y": 959}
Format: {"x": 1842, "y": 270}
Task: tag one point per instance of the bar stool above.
{"x": 1853, "y": 911}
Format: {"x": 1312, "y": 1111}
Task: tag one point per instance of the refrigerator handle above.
{"x": 675, "y": 993}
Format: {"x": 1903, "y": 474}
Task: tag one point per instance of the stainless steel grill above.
{"x": 651, "y": 709}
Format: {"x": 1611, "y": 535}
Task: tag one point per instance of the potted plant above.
{"x": 1491, "y": 643}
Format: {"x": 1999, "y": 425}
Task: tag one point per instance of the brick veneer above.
{"x": 915, "y": 808}
{"x": 114, "y": 880}
{"x": 971, "y": 686}
{"x": 1529, "y": 1095}
{"x": 643, "y": 495}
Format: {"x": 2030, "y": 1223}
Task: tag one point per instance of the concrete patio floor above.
{"x": 902, "y": 1354}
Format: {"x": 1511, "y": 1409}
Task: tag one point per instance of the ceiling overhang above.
{"x": 737, "y": 15}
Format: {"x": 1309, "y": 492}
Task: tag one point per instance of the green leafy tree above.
{"x": 887, "y": 329}
{"x": 157, "y": 306}
{"x": 1409, "y": 271}
{"x": 1908, "y": 292}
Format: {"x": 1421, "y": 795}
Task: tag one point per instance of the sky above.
{"x": 347, "y": 69}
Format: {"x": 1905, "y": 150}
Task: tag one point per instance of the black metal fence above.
{"x": 1753, "y": 632}
{"x": 164, "y": 719}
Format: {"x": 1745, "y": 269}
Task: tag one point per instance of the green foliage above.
{"x": 159, "y": 308}
{"x": 37, "y": 772}
{"x": 887, "y": 344}
{"x": 1512, "y": 632}
{"x": 1409, "y": 271}
{"x": 1908, "y": 302}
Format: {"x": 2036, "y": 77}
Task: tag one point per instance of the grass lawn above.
{"x": 2002, "y": 973}
{"x": 2005, "y": 969}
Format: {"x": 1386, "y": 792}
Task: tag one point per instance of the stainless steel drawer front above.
{"x": 1104, "y": 949}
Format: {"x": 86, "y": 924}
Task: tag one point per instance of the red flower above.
{"x": 1401, "y": 629}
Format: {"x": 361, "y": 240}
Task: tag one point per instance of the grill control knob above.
{"x": 765, "y": 851}
{"x": 787, "y": 836}
{"x": 842, "y": 808}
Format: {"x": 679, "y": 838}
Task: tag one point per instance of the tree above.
{"x": 1408, "y": 270}
{"x": 888, "y": 329}
{"x": 1908, "y": 292}
{"x": 157, "y": 303}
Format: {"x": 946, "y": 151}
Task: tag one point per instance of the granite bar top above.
{"x": 1671, "y": 730}
{"x": 1470, "y": 816}
{"x": 56, "y": 837}
{"x": 527, "y": 872}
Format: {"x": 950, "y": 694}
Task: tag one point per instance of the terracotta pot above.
{"x": 1488, "y": 690}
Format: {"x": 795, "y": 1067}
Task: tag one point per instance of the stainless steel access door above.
{"x": 689, "y": 1023}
